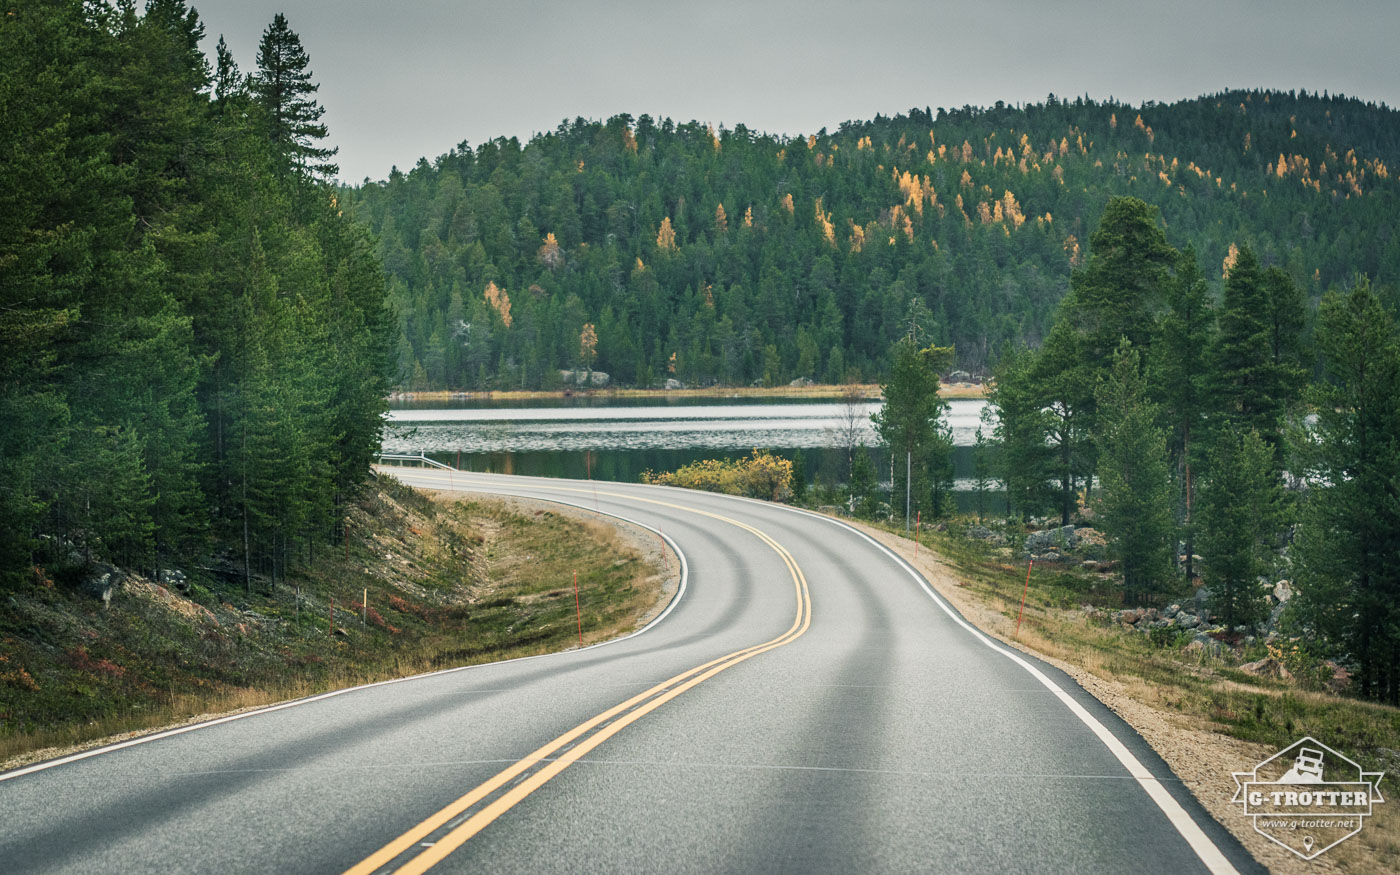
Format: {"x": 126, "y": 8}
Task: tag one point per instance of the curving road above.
{"x": 807, "y": 704}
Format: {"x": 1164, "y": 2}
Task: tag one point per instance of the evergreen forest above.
{"x": 194, "y": 339}
{"x": 650, "y": 249}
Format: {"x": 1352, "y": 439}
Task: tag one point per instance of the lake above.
{"x": 619, "y": 438}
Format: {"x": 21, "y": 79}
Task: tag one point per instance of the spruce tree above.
{"x": 1135, "y": 504}
{"x": 1241, "y": 501}
{"x": 284, "y": 90}
{"x": 1348, "y": 542}
{"x": 1180, "y": 376}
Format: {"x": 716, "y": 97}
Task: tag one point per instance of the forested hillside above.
{"x": 731, "y": 256}
{"x": 193, "y": 340}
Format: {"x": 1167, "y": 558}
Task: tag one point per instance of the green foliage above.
{"x": 1240, "y": 516}
{"x": 1179, "y": 375}
{"x": 911, "y": 423}
{"x": 1023, "y": 458}
{"x": 863, "y": 485}
{"x": 1349, "y": 538}
{"x": 282, "y": 89}
{"x": 189, "y": 340}
{"x": 1134, "y": 504}
{"x": 1257, "y": 373}
{"x": 761, "y": 475}
{"x": 772, "y": 295}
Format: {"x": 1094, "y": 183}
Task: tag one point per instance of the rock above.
{"x": 1051, "y": 539}
{"x": 1340, "y": 679}
{"x": 586, "y": 378}
{"x": 174, "y": 579}
{"x": 959, "y": 377}
{"x": 1283, "y": 591}
{"x": 1171, "y": 610}
{"x": 1052, "y": 556}
{"x": 1187, "y": 621}
{"x": 801, "y": 383}
{"x": 1203, "y": 644}
{"x": 1268, "y": 667}
{"x": 101, "y": 581}
{"x": 673, "y": 383}
{"x": 1096, "y": 565}
{"x": 982, "y": 533}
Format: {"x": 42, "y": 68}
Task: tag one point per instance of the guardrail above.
{"x": 421, "y": 457}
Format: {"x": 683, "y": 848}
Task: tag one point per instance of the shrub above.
{"x": 761, "y": 475}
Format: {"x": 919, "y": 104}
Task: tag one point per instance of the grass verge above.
{"x": 448, "y": 582}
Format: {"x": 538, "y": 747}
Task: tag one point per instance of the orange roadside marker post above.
{"x": 578, "y": 610}
{"x": 1024, "y": 590}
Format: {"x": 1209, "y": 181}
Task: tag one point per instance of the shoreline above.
{"x": 867, "y": 390}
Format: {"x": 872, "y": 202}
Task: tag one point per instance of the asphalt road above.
{"x": 806, "y": 705}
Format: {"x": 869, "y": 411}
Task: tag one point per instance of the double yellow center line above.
{"x": 466, "y": 816}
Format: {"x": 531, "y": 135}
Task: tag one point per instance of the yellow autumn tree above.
{"x": 721, "y": 220}
{"x": 824, "y": 222}
{"x": 1232, "y": 256}
{"x": 588, "y": 346}
{"x": 748, "y": 216}
{"x": 550, "y": 254}
{"x": 666, "y": 236}
{"x": 857, "y": 240}
{"x": 786, "y": 201}
{"x": 1072, "y": 250}
{"x": 629, "y": 142}
{"x": 1012, "y": 210}
{"x": 499, "y": 301}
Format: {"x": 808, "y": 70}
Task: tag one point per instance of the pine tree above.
{"x": 283, "y": 88}
{"x": 1348, "y": 543}
{"x": 1240, "y": 514}
{"x": 1252, "y": 391}
{"x": 1180, "y": 377}
{"x": 910, "y": 424}
{"x": 1135, "y": 505}
{"x": 1023, "y": 454}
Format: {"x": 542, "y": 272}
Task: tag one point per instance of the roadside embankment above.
{"x": 425, "y": 581}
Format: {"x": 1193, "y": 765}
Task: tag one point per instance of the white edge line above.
{"x": 675, "y": 600}
{"x": 1209, "y": 854}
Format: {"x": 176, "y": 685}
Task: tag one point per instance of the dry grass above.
{"x": 450, "y": 583}
{"x": 1203, "y": 716}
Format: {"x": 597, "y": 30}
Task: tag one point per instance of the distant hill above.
{"x": 734, "y": 257}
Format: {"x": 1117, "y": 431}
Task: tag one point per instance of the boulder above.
{"x": 982, "y": 533}
{"x": 673, "y": 383}
{"x": 801, "y": 383}
{"x": 1268, "y": 667}
{"x": 1283, "y": 591}
{"x": 1340, "y": 678}
{"x": 101, "y": 581}
{"x": 1187, "y": 621}
{"x": 173, "y": 578}
{"x": 1203, "y": 644}
{"x": 1051, "y": 539}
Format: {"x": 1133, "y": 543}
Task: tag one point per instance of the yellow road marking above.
{"x": 432, "y": 855}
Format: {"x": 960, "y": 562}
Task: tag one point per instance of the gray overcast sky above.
{"x": 405, "y": 80}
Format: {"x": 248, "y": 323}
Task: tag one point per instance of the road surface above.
{"x": 806, "y": 704}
